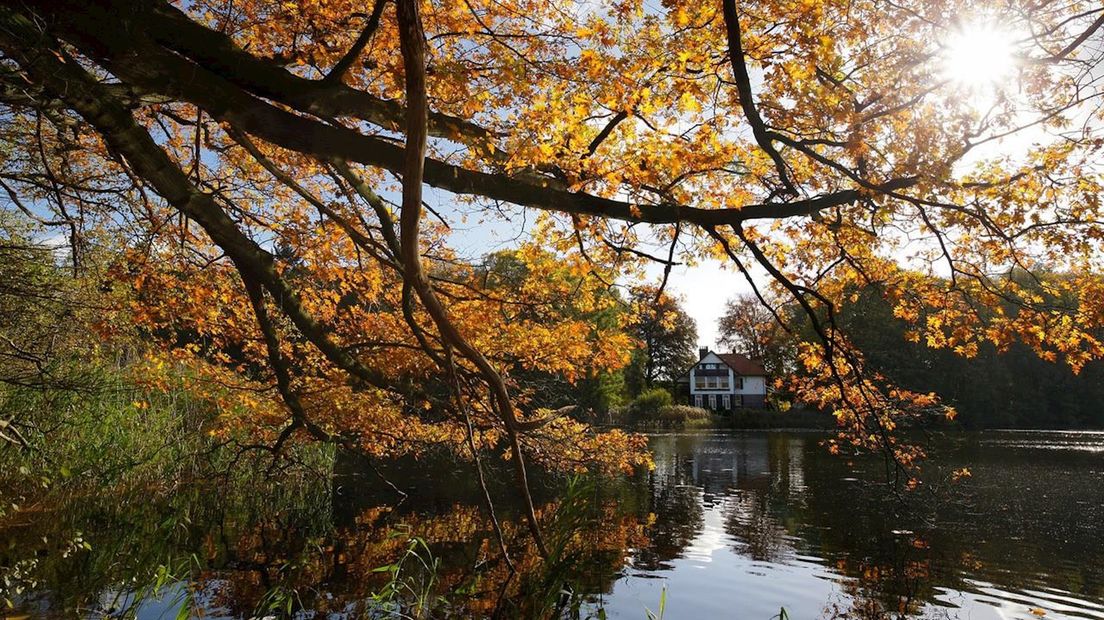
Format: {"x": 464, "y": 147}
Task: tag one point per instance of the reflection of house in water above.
{"x": 720, "y": 464}
{"x": 746, "y": 484}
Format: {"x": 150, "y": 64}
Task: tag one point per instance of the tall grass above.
{"x": 109, "y": 431}
{"x": 115, "y": 433}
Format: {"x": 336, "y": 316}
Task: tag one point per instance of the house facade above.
{"x": 725, "y": 381}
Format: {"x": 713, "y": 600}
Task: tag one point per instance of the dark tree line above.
{"x": 1013, "y": 388}
{"x": 1007, "y": 389}
{"x": 668, "y": 339}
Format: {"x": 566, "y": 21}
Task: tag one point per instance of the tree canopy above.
{"x": 667, "y": 340}
{"x": 1010, "y": 388}
{"x": 749, "y": 327}
{"x": 266, "y": 163}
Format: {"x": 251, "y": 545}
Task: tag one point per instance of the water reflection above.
{"x": 768, "y": 520}
{"x": 727, "y": 525}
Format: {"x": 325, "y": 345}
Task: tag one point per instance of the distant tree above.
{"x": 989, "y": 389}
{"x": 46, "y": 307}
{"x": 668, "y": 338}
{"x": 749, "y": 327}
{"x": 593, "y": 387}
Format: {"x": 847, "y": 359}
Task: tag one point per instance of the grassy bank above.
{"x": 114, "y": 432}
{"x": 740, "y": 419}
{"x": 766, "y": 418}
{"x": 655, "y": 410}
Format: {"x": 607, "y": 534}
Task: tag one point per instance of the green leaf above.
{"x": 185, "y": 610}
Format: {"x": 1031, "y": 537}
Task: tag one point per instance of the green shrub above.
{"x": 655, "y": 408}
{"x": 709, "y": 422}
{"x": 648, "y": 405}
{"x": 681, "y": 414}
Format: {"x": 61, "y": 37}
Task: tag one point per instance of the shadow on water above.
{"x": 727, "y": 525}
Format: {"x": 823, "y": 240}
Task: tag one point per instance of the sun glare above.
{"x": 979, "y": 55}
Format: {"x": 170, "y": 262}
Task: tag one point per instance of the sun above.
{"x": 979, "y": 56}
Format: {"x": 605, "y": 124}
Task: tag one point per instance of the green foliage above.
{"x": 108, "y": 552}
{"x": 668, "y": 336}
{"x": 655, "y": 408}
{"x": 560, "y": 589}
{"x": 649, "y": 403}
{"x": 413, "y": 577}
{"x": 603, "y": 391}
{"x": 42, "y": 342}
{"x": 680, "y": 415}
{"x": 1010, "y": 389}
{"x": 658, "y": 614}
{"x": 100, "y": 437}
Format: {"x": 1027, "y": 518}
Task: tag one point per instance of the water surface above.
{"x": 735, "y": 525}
{"x": 769, "y": 520}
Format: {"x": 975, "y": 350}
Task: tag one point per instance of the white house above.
{"x": 725, "y": 381}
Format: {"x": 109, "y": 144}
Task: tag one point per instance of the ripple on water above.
{"x": 1025, "y": 603}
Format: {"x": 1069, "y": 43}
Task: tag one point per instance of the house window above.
{"x": 712, "y": 401}
{"x": 699, "y": 383}
{"x": 739, "y": 383}
{"x": 726, "y": 402}
{"x": 722, "y": 383}
{"x": 697, "y": 400}
{"x": 711, "y": 383}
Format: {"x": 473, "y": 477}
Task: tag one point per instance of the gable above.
{"x": 710, "y": 358}
{"x": 742, "y": 365}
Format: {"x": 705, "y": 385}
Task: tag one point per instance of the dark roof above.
{"x": 742, "y": 364}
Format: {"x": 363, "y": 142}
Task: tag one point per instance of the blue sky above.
{"x": 703, "y": 288}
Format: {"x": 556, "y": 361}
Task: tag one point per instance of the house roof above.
{"x": 742, "y": 364}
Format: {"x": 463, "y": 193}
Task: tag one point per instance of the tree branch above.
{"x": 412, "y": 40}
{"x": 346, "y": 61}
{"x": 747, "y": 102}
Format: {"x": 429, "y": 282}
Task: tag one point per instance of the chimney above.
{"x": 702, "y": 352}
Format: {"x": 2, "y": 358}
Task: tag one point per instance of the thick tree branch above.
{"x": 606, "y": 131}
{"x": 68, "y": 81}
{"x": 136, "y": 60}
{"x": 346, "y": 61}
{"x": 217, "y": 52}
{"x": 412, "y": 40}
{"x": 747, "y": 102}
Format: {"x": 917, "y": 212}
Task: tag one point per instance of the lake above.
{"x": 732, "y": 524}
{"x": 769, "y": 520}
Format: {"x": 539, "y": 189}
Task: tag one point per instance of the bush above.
{"x": 655, "y": 408}
{"x": 648, "y": 405}
{"x": 681, "y": 414}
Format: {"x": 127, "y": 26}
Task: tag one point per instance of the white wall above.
{"x": 709, "y": 359}
{"x": 752, "y": 385}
